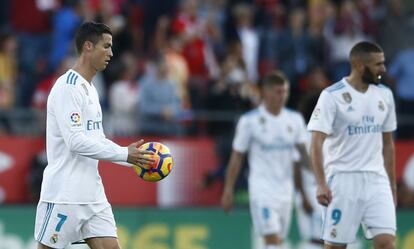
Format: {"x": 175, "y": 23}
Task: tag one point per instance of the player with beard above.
{"x": 354, "y": 120}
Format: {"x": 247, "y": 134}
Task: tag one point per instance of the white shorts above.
{"x": 271, "y": 218}
{"x": 58, "y": 225}
{"x": 310, "y": 225}
{"x": 358, "y": 198}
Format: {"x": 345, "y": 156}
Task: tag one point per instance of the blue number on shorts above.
{"x": 266, "y": 213}
{"x": 336, "y": 215}
{"x": 62, "y": 218}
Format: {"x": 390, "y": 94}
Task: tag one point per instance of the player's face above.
{"x": 276, "y": 95}
{"x": 374, "y": 69}
{"x": 102, "y": 52}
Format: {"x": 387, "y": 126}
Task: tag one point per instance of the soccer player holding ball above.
{"x": 73, "y": 205}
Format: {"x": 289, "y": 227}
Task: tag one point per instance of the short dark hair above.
{"x": 90, "y": 31}
{"x": 362, "y": 49}
{"x": 274, "y": 78}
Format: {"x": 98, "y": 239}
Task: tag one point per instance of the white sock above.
{"x": 273, "y": 247}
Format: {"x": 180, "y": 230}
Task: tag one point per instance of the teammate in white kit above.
{"x": 269, "y": 134}
{"x": 356, "y": 176}
{"x": 73, "y": 205}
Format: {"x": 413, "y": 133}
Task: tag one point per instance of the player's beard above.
{"x": 369, "y": 78}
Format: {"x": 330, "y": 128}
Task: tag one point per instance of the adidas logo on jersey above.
{"x": 350, "y": 109}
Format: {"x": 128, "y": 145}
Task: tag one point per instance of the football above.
{"x": 161, "y": 167}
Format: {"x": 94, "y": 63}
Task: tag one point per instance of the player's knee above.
{"x": 384, "y": 244}
{"x": 272, "y": 239}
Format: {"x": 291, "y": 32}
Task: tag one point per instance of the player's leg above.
{"x": 384, "y": 241}
{"x": 342, "y": 217}
{"x": 271, "y": 221}
{"x": 99, "y": 231}
{"x": 41, "y": 246}
{"x": 55, "y": 225}
{"x": 103, "y": 243}
{"x": 272, "y": 241}
{"x": 379, "y": 220}
{"x": 334, "y": 246}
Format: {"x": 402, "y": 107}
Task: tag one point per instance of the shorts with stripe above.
{"x": 358, "y": 198}
{"x": 58, "y": 225}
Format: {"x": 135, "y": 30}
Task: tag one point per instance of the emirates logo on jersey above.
{"x": 347, "y": 97}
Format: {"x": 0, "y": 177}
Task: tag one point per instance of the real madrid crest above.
{"x": 333, "y": 233}
{"x": 347, "y": 97}
{"x": 54, "y": 239}
{"x": 381, "y": 106}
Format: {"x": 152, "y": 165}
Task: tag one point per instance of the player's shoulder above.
{"x": 69, "y": 79}
{"x": 336, "y": 87}
{"x": 249, "y": 116}
{"x": 293, "y": 113}
{"x": 383, "y": 89}
{"x": 252, "y": 113}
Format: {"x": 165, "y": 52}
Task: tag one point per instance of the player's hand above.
{"x": 227, "y": 200}
{"x": 307, "y": 206}
{"x": 142, "y": 158}
{"x": 324, "y": 195}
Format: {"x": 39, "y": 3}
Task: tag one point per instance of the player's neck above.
{"x": 84, "y": 69}
{"x": 357, "y": 83}
{"x": 273, "y": 110}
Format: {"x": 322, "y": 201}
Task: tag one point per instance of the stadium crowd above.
{"x": 179, "y": 62}
{"x": 191, "y": 67}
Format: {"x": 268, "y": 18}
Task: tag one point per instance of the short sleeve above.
{"x": 242, "y": 135}
{"x": 390, "y": 122}
{"x": 323, "y": 115}
{"x": 301, "y": 135}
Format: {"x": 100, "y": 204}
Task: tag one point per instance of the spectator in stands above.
{"x": 192, "y": 31}
{"x": 64, "y": 22}
{"x": 248, "y": 36}
{"x": 158, "y": 104}
{"x": 402, "y": 71}
{"x": 342, "y": 33}
{"x": 8, "y": 76}
{"x": 232, "y": 93}
{"x": 396, "y": 30}
{"x": 30, "y": 20}
{"x": 123, "y": 98}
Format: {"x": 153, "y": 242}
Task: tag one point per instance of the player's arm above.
{"x": 323, "y": 194}
{"x": 68, "y": 106}
{"x": 304, "y": 157}
{"x": 299, "y": 187}
{"x": 232, "y": 172}
{"x": 389, "y": 161}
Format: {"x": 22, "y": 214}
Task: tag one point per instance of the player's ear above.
{"x": 87, "y": 46}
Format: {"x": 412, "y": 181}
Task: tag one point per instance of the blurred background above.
{"x": 182, "y": 73}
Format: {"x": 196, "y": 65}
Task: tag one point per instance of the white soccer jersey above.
{"x": 270, "y": 141}
{"x": 354, "y": 123}
{"x": 75, "y": 142}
